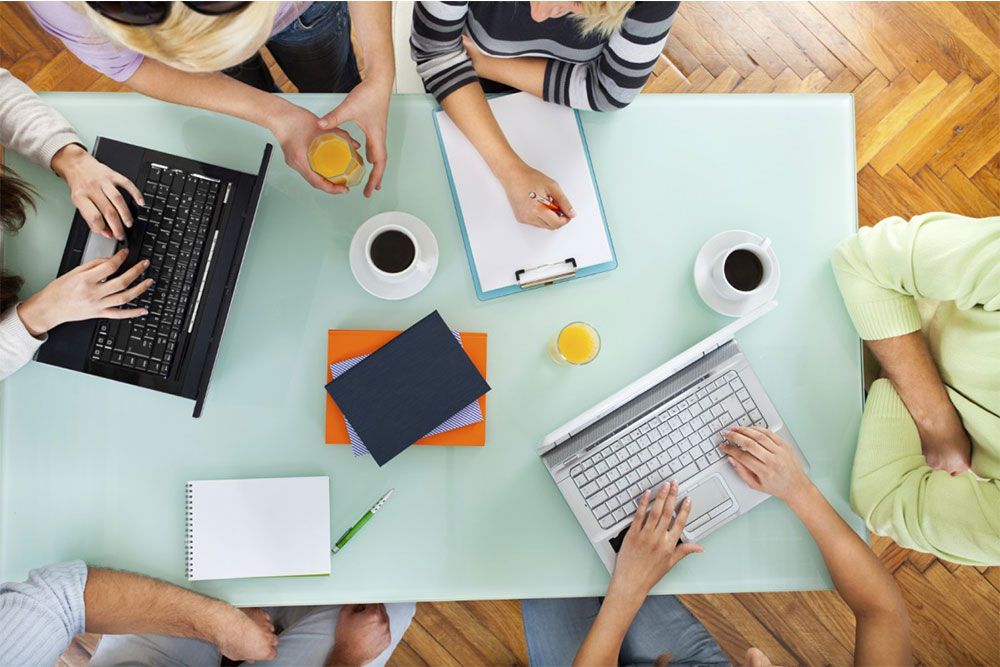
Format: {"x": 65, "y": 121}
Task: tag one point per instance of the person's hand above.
{"x": 368, "y": 106}
{"x": 247, "y": 635}
{"x": 85, "y": 293}
{"x": 478, "y": 58}
{"x": 362, "y": 634}
{"x": 294, "y": 130}
{"x": 766, "y": 462}
{"x": 650, "y": 547}
{"x": 950, "y": 450}
{"x": 522, "y": 180}
{"x": 93, "y": 188}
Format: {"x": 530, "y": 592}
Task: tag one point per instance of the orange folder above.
{"x": 343, "y": 344}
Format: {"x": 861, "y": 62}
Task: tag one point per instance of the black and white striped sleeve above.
{"x": 616, "y": 77}
{"x": 436, "y": 47}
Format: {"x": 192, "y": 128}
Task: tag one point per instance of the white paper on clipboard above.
{"x": 547, "y": 137}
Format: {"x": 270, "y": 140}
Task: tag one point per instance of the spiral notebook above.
{"x": 273, "y": 527}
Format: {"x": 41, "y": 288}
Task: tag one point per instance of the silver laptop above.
{"x": 665, "y": 425}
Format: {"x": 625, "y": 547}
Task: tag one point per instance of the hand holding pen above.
{"x": 519, "y": 182}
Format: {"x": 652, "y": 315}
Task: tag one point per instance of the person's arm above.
{"x": 769, "y": 464}
{"x": 17, "y": 344}
{"x": 34, "y": 129}
{"x": 39, "y": 617}
{"x": 121, "y": 603}
{"x": 444, "y": 65}
{"x": 362, "y": 635}
{"x": 650, "y": 549}
{"x": 368, "y": 104}
{"x": 899, "y": 495}
{"x": 882, "y": 270}
{"x": 609, "y": 82}
{"x": 292, "y": 126}
{"x": 907, "y": 363}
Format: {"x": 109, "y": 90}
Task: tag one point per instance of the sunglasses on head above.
{"x": 155, "y": 13}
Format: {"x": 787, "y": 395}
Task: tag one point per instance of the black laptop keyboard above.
{"x": 179, "y": 242}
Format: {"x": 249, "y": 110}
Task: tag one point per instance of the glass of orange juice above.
{"x": 576, "y": 343}
{"x": 334, "y": 158}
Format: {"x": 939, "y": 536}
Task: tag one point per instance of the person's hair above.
{"x": 196, "y": 42}
{"x": 15, "y": 200}
{"x": 602, "y": 18}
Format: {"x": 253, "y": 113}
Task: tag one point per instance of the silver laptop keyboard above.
{"x": 671, "y": 443}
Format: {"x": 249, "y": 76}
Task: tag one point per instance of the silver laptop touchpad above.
{"x": 98, "y": 246}
{"x": 710, "y": 499}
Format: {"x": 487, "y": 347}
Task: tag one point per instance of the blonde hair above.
{"x": 602, "y": 18}
{"x": 193, "y": 41}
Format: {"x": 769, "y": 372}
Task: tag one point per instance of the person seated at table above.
{"x": 925, "y": 297}
{"x": 31, "y": 127}
{"x": 148, "y": 622}
{"x": 585, "y": 55}
{"x": 181, "y": 52}
{"x": 628, "y": 627}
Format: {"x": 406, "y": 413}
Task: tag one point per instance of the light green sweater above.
{"x": 940, "y": 273}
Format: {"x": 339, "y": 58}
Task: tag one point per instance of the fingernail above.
{"x": 124, "y": 250}
{"x": 645, "y": 494}
{"x": 145, "y": 262}
{"x": 324, "y": 123}
{"x": 662, "y": 489}
{"x": 572, "y": 211}
{"x": 731, "y": 461}
{"x": 687, "y": 502}
{"x": 128, "y": 223}
{"x": 145, "y": 312}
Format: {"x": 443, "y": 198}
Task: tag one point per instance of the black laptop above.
{"x": 193, "y": 230}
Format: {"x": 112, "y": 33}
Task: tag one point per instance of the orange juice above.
{"x": 335, "y": 159}
{"x": 578, "y": 343}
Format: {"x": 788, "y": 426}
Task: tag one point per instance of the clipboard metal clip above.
{"x": 546, "y": 274}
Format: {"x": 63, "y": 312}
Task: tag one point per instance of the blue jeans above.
{"x": 555, "y": 629}
{"x": 314, "y": 51}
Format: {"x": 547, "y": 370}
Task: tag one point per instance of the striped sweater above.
{"x": 583, "y": 71}
{"x": 39, "y": 617}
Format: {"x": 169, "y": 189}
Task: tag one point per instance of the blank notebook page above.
{"x": 547, "y": 137}
{"x": 258, "y": 527}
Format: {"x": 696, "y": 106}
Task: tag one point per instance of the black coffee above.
{"x": 743, "y": 270}
{"x": 392, "y": 251}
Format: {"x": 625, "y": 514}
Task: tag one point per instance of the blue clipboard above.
{"x": 516, "y": 288}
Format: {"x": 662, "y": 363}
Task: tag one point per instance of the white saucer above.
{"x": 416, "y": 281}
{"x": 703, "y": 274}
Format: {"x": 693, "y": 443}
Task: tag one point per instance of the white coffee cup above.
{"x": 417, "y": 264}
{"x": 723, "y": 285}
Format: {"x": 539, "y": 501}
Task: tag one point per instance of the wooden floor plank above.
{"x": 682, "y": 57}
{"x": 726, "y": 46}
{"x": 845, "y": 82}
{"x": 857, "y": 22}
{"x": 898, "y": 117}
{"x": 741, "y": 33}
{"x": 947, "y": 14}
{"x": 787, "y": 615}
{"x": 503, "y": 617}
{"x": 982, "y": 97}
{"x": 973, "y": 199}
{"x": 831, "y": 38}
{"x": 790, "y": 53}
{"x": 725, "y": 82}
{"x": 922, "y": 52}
{"x": 788, "y": 25}
{"x": 989, "y": 184}
{"x": 973, "y": 148}
{"x": 737, "y": 629}
{"x": 923, "y": 123}
{"x": 698, "y": 46}
{"x": 883, "y": 103}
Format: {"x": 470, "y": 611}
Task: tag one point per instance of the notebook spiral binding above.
{"x": 188, "y": 534}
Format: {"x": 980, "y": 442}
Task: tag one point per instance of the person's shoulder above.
{"x": 65, "y": 21}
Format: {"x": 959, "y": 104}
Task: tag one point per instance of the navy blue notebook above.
{"x": 408, "y": 387}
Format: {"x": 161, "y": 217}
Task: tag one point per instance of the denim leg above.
{"x": 664, "y": 625}
{"x": 315, "y": 50}
{"x": 253, "y": 72}
{"x": 554, "y": 628}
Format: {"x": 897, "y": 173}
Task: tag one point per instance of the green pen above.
{"x": 346, "y": 537}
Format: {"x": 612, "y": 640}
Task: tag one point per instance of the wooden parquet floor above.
{"x": 926, "y": 79}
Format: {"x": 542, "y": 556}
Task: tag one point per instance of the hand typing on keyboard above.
{"x": 93, "y": 187}
{"x": 766, "y": 462}
{"x": 85, "y": 293}
{"x": 651, "y": 546}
